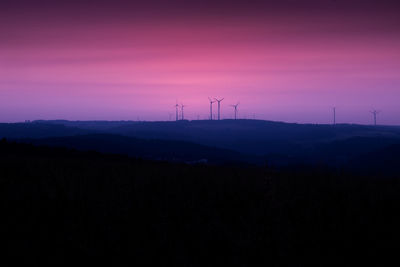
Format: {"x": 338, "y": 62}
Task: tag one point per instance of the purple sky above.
{"x": 119, "y": 60}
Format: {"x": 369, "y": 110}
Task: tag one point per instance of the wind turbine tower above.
{"x": 375, "y": 112}
{"x": 219, "y": 107}
{"x": 235, "y": 109}
{"x": 211, "y": 112}
{"x": 182, "y": 116}
{"x": 177, "y": 111}
{"x": 334, "y": 115}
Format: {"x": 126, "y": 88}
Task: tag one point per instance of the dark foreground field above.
{"x": 63, "y": 206}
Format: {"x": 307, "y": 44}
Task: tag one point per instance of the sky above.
{"x": 282, "y": 60}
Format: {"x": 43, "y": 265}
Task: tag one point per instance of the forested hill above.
{"x": 167, "y": 150}
{"x": 38, "y": 130}
{"x": 249, "y": 141}
{"x": 63, "y": 206}
{"x": 253, "y": 137}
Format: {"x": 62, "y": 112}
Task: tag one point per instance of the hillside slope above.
{"x": 145, "y": 148}
{"x": 62, "y": 206}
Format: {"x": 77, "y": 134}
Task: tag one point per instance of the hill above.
{"x": 251, "y": 141}
{"x": 63, "y": 206}
{"x": 38, "y": 130}
{"x": 168, "y": 150}
{"x": 381, "y": 161}
{"x": 246, "y": 136}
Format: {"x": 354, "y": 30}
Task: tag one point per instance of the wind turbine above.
{"x": 375, "y": 112}
{"x": 211, "y": 113}
{"x": 176, "y": 111}
{"x": 334, "y": 115}
{"x": 235, "y": 109}
{"x": 219, "y": 106}
{"x": 182, "y": 117}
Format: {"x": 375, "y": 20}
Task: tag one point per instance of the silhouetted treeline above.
{"x": 251, "y": 137}
{"x": 64, "y": 206}
{"x": 218, "y": 142}
{"x": 168, "y": 150}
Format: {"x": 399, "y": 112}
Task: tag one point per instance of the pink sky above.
{"x": 288, "y": 66}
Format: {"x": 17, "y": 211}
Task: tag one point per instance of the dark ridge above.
{"x": 254, "y": 137}
{"x": 167, "y": 150}
{"x": 384, "y": 160}
{"x": 37, "y": 130}
{"x": 63, "y": 206}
